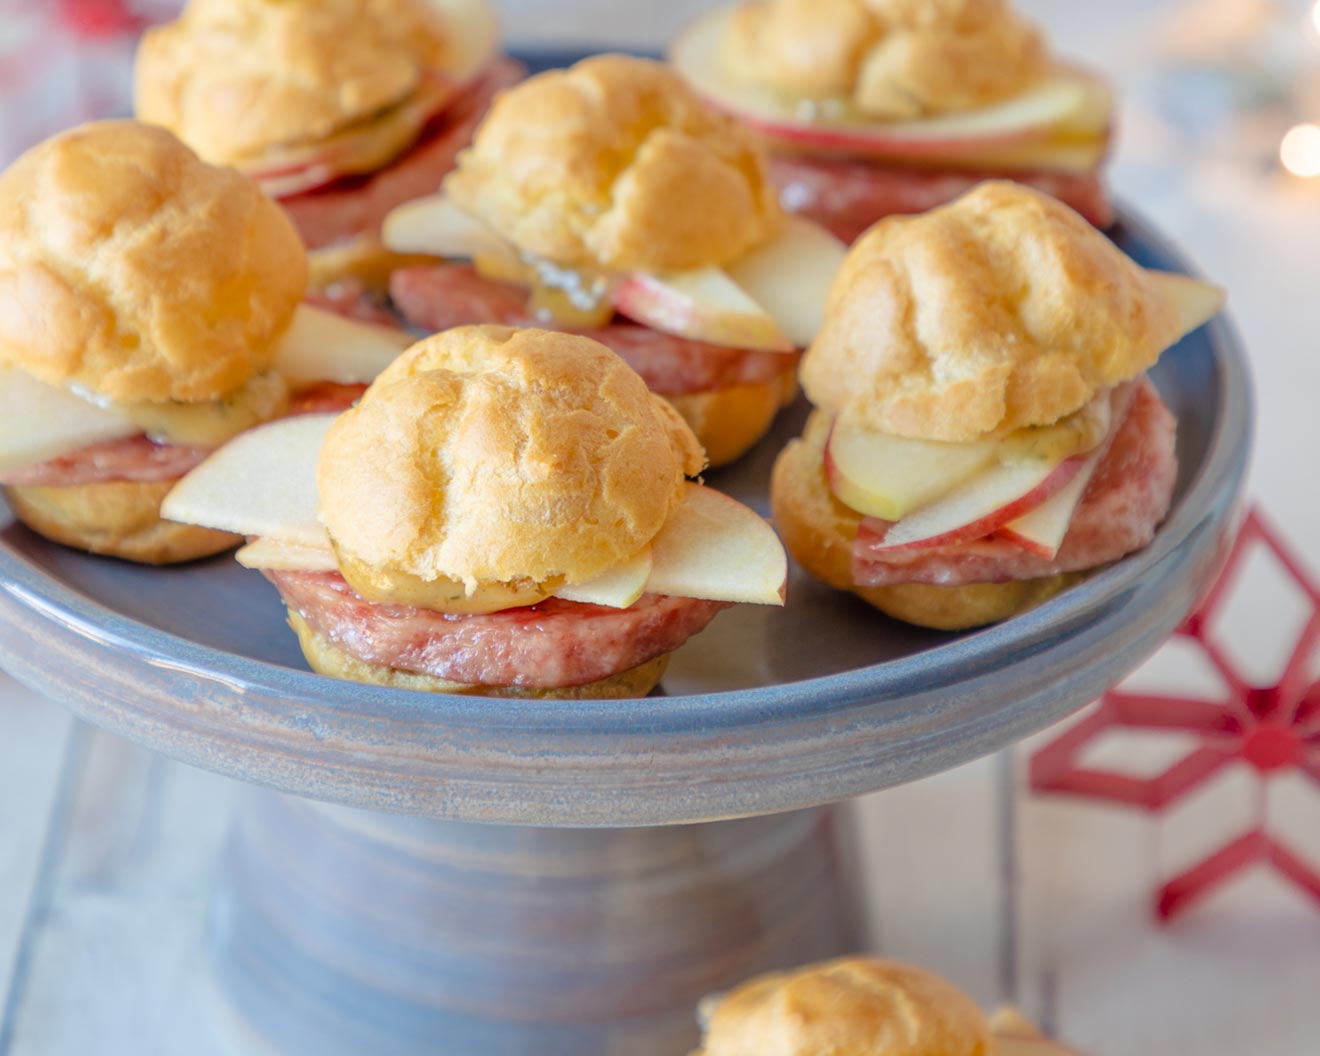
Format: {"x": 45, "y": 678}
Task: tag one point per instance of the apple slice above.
{"x": 715, "y": 548}
{"x": 40, "y": 421}
{"x": 362, "y": 148}
{"x": 437, "y": 226}
{"x": 473, "y": 34}
{"x": 790, "y": 277}
{"x": 325, "y": 346}
{"x": 705, "y": 305}
{"x": 985, "y": 504}
{"x": 1197, "y": 301}
{"x": 891, "y": 476}
{"x": 279, "y": 555}
{"x": 263, "y": 483}
{"x": 1041, "y": 531}
{"x": 1067, "y": 98}
{"x": 618, "y": 588}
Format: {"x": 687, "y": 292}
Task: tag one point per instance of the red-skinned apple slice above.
{"x": 359, "y": 149}
{"x": 887, "y": 476}
{"x": 1041, "y": 531}
{"x": 1066, "y": 99}
{"x": 705, "y": 305}
{"x": 985, "y": 504}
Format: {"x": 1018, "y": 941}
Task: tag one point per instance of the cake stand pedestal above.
{"x": 341, "y": 931}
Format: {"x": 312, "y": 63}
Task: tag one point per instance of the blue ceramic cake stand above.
{"x": 439, "y": 874}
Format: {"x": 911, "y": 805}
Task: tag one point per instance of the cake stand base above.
{"x": 340, "y": 931}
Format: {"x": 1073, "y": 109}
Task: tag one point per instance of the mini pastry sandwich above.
{"x": 610, "y": 190}
{"x": 876, "y": 107}
{"x": 862, "y": 1006}
{"x": 341, "y": 109}
{"x": 984, "y": 433}
{"x": 149, "y": 311}
{"x": 503, "y": 513}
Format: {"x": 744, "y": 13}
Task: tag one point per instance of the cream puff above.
{"x": 608, "y": 199}
{"x": 505, "y": 512}
{"x": 149, "y": 311}
{"x": 984, "y": 433}
{"x": 878, "y": 107}
{"x": 340, "y": 109}
{"x": 862, "y": 1006}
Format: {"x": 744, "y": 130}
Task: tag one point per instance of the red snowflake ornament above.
{"x": 1272, "y": 729}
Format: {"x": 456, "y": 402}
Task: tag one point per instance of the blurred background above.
{"x": 987, "y": 873}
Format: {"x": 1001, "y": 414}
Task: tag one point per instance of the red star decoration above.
{"x": 101, "y": 18}
{"x": 1273, "y": 729}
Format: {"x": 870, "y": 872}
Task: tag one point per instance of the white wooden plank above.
{"x": 932, "y": 855}
{"x": 119, "y": 961}
{"x": 33, "y": 735}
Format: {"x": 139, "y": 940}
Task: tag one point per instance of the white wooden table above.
{"x": 107, "y": 854}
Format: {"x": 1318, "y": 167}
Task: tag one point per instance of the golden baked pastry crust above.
{"x": 892, "y": 59}
{"x": 131, "y": 268}
{"x": 818, "y": 530}
{"x": 235, "y": 78}
{"x": 729, "y": 422}
{"x": 118, "y": 518}
{"x": 617, "y": 163}
{"x": 326, "y": 658}
{"x": 854, "y": 1006}
{"x": 1001, "y": 310}
{"x": 489, "y": 455}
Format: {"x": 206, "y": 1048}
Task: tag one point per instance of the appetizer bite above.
{"x": 503, "y": 513}
{"x": 341, "y": 109}
{"x": 149, "y": 311}
{"x": 862, "y": 1006}
{"x": 984, "y": 433}
{"x": 611, "y": 190}
{"x": 876, "y": 107}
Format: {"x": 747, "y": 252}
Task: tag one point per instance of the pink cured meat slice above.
{"x": 133, "y": 458}
{"x": 848, "y": 196}
{"x": 358, "y": 205}
{"x": 447, "y": 295}
{"x": 1125, "y": 502}
{"x": 548, "y": 646}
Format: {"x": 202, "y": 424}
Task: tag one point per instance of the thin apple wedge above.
{"x": 278, "y": 555}
{"x": 705, "y": 305}
{"x": 473, "y": 33}
{"x": 1041, "y": 531}
{"x": 886, "y": 476}
{"x": 262, "y": 483}
{"x": 715, "y": 548}
{"x": 618, "y": 588}
{"x": 1197, "y": 301}
{"x": 438, "y": 227}
{"x": 39, "y": 422}
{"x": 790, "y": 277}
{"x": 324, "y": 346}
{"x": 985, "y": 504}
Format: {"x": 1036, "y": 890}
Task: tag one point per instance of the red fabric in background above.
{"x": 66, "y": 62}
